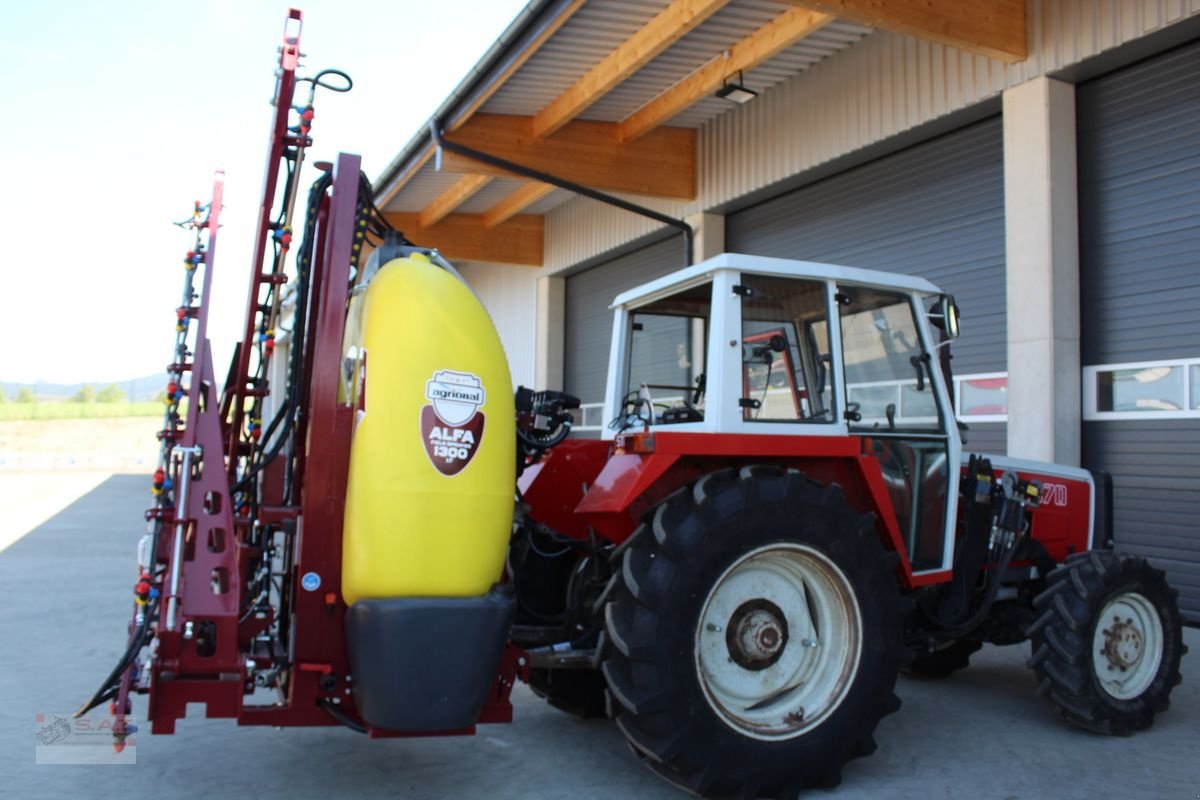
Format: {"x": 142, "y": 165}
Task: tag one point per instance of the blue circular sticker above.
{"x": 311, "y": 581}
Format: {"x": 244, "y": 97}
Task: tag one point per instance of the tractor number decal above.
{"x": 452, "y": 423}
{"x": 1054, "y": 494}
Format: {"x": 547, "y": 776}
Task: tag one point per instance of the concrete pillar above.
{"x": 1041, "y": 237}
{"x": 709, "y": 239}
{"x": 549, "y": 333}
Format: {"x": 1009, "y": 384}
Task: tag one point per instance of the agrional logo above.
{"x": 452, "y": 423}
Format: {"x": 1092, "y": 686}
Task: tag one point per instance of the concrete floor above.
{"x": 983, "y": 734}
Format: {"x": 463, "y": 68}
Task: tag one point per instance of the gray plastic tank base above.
{"x": 426, "y": 664}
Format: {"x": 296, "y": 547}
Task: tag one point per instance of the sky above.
{"x": 116, "y": 116}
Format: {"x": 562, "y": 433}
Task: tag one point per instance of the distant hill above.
{"x": 136, "y": 389}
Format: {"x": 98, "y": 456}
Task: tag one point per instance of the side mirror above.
{"x": 946, "y": 315}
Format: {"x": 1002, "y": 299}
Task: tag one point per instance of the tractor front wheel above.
{"x": 755, "y": 635}
{"x": 1108, "y": 642}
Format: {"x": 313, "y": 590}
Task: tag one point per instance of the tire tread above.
{"x": 1061, "y": 640}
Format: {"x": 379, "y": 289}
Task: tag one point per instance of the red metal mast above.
{"x": 245, "y": 385}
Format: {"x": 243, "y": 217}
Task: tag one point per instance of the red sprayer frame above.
{"x": 199, "y": 634}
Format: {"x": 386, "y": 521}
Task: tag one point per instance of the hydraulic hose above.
{"x": 136, "y": 642}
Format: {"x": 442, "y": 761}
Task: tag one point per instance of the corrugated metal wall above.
{"x": 1139, "y": 212}
{"x": 589, "y": 320}
{"x": 1139, "y": 208}
{"x": 510, "y": 295}
{"x": 1156, "y": 512}
{"x": 880, "y": 87}
{"x": 934, "y": 210}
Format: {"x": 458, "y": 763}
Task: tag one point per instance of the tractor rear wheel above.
{"x": 755, "y": 635}
{"x": 1107, "y": 645}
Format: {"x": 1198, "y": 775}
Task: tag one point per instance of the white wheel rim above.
{"x": 1127, "y": 645}
{"x": 778, "y": 641}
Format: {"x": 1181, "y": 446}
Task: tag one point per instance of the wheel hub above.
{"x": 1128, "y": 645}
{"x": 778, "y": 641}
{"x": 757, "y": 634}
{"x": 1122, "y": 644}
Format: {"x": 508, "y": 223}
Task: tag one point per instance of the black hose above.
{"x": 341, "y": 716}
{"x": 954, "y": 630}
{"x": 300, "y": 324}
{"x": 435, "y": 130}
{"x": 136, "y": 642}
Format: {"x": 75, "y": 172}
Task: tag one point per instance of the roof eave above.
{"x": 523, "y": 29}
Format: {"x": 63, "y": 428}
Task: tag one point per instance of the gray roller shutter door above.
{"x": 1139, "y": 217}
{"x": 588, "y": 320}
{"x": 934, "y": 210}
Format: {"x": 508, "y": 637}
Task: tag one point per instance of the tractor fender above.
{"x": 553, "y": 486}
{"x": 632, "y": 483}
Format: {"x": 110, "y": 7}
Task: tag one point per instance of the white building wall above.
{"x": 510, "y": 295}
{"x": 882, "y": 86}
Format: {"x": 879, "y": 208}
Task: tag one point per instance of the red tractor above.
{"x": 779, "y": 519}
{"x": 757, "y": 559}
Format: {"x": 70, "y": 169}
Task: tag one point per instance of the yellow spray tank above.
{"x": 429, "y": 500}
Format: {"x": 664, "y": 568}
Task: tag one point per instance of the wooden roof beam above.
{"x": 660, "y": 164}
{"x": 516, "y": 202}
{"x": 776, "y": 36}
{"x": 667, "y": 27}
{"x": 465, "y": 237}
{"x": 993, "y": 28}
{"x": 452, "y": 198}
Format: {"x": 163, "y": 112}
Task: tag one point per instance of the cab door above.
{"x": 897, "y": 403}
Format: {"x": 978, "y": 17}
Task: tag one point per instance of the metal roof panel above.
{"x": 593, "y": 32}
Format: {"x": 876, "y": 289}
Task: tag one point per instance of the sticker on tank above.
{"x": 452, "y": 424}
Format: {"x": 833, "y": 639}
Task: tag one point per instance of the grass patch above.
{"x": 17, "y": 411}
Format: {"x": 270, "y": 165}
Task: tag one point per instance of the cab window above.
{"x": 667, "y": 354}
{"x": 785, "y": 351}
{"x": 888, "y": 373}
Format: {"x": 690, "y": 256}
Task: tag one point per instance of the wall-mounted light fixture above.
{"x": 737, "y": 91}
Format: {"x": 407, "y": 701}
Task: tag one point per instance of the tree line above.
{"x": 86, "y": 394}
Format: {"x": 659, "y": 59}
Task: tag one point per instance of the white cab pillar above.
{"x": 549, "y": 333}
{"x": 709, "y": 237}
{"x": 1041, "y": 237}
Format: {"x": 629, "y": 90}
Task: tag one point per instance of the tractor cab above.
{"x": 752, "y": 345}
